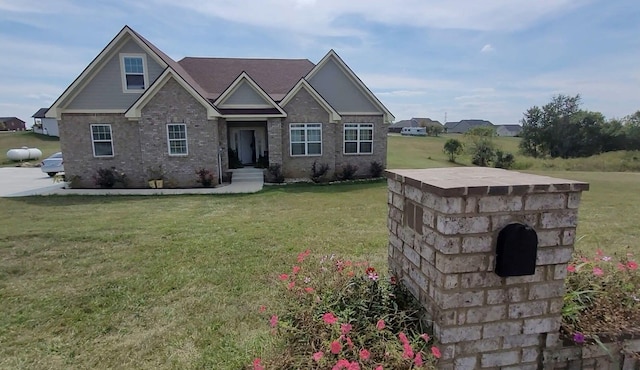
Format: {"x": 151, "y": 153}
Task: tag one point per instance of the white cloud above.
{"x": 487, "y": 48}
{"x": 319, "y": 17}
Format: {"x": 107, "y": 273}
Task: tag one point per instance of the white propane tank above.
{"x": 24, "y": 154}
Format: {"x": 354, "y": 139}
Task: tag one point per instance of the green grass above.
{"x": 176, "y": 281}
{"x": 11, "y": 140}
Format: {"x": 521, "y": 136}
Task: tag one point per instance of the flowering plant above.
{"x": 603, "y": 297}
{"x": 340, "y": 314}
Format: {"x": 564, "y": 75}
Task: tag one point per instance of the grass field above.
{"x": 176, "y": 281}
{"x": 10, "y": 140}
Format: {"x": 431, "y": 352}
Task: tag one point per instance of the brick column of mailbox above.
{"x": 443, "y": 225}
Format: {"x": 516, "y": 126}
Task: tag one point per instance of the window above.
{"x": 134, "y": 78}
{"x": 101, "y": 140}
{"x": 306, "y": 139}
{"x": 177, "y": 138}
{"x": 358, "y": 138}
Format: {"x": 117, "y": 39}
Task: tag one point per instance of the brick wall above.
{"x": 443, "y": 225}
{"x": 620, "y": 355}
{"x": 139, "y": 146}
{"x": 303, "y": 108}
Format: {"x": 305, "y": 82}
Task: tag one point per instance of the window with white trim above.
{"x": 177, "y": 139}
{"x": 134, "y": 77}
{"x": 101, "y": 140}
{"x": 358, "y": 138}
{"x": 306, "y": 139}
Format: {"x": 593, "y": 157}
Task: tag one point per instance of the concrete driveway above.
{"x": 22, "y": 181}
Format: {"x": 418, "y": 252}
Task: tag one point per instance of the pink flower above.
{"x": 599, "y": 252}
{"x": 262, "y": 308}
{"x": 621, "y": 267}
{"x": 425, "y": 336}
{"x": 291, "y": 285}
{"x": 329, "y": 318}
{"x": 303, "y": 255}
{"x": 403, "y": 338}
{"x": 336, "y": 347}
{"x": 308, "y": 289}
{"x": 435, "y": 351}
{"x": 632, "y": 265}
{"x": 257, "y": 365}
{"x": 354, "y": 366}
{"x": 296, "y": 269}
{"x": 571, "y": 268}
{"x": 273, "y": 321}
{"x": 418, "y": 359}
{"x": 349, "y": 342}
{"x": 380, "y": 325}
{"x": 379, "y": 367}
{"x": 597, "y": 271}
{"x": 317, "y": 356}
{"x": 408, "y": 351}
{"x": 341, "y": 364}
{"x": 284, "y": 277}
{"x": 364, "y": 354}
{"x": 345, "y": 328}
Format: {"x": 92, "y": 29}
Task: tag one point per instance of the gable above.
{"x": 244, "y": 96}
{"x": 304, "y": 95}
{"x": 337, "y": 88}
{"x": 104, "y": 90}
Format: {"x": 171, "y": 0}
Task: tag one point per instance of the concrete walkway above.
{"x": 244, "y": 181}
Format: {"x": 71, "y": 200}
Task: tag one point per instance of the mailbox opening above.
{"x": 516, "y": 250}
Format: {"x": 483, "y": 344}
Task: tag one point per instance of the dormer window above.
{"x": 134, "y": 72}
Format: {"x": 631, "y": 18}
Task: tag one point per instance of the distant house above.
{"x": 508, "y": 130}
{"x": 465, "y": 125}
{"x": 43, "y": 125}
{"x": 413, "y": 122}
{"x": 11, "y": 124}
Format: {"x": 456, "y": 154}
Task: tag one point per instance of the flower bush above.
{"x": 339, "y": 314}
{"x": 603, "y": 297}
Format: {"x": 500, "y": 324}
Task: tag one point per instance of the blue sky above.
{"x": 489, "y": 59}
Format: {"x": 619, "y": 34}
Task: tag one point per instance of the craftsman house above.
{"x": 136, "y": 109}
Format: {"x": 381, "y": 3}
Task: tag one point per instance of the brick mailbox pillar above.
{"x": 443, "y": 229}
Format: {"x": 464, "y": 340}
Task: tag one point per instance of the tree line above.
{"x": 561, "y": 128}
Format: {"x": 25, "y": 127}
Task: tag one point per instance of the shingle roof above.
{"x": 416, "y": 122}
{"x": 512, "y": 128}
{"x": 6, "y": 119}
{"x": 275, "y": 76}
{"x": 40, "y": 113}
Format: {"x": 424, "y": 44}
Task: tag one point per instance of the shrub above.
{"x": 603, "y": 296}
{"x": 318, "y": 171}
{"x": 453, "y": 147}
{"x": 263, "y": 161}
{"x": 341, "y": 313}
{"x": 234, "y": 160}
{"x": 483, "y": 154}
{"x": 274, "y": 174}
{"x": 108, "y": 177}
{"x": 347, "y": 172}
{"x": 375, "y": 169}
{"x": 504, "y": 160}
{"x": 204, "y": 177}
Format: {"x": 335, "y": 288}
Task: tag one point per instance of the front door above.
{"x": 246, "y": 147}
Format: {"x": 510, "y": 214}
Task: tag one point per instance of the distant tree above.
{"x": 483, "y": 149}
{"x": 631, "y": 129}
{"x": 453, "y": 147}
{"x": 561, "y": 129}
{"x": 434, "y": 130}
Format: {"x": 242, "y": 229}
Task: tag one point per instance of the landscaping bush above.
{"x": 234, "y": 160}
{"x": 204, "y": 177}
{"x": 274, "y": 174}
{"x": 347, "y": 172}
{"x": 109, "y": 177}
{"x": 603, "y": 297}
{"x": 319, "y": 171}
{"x": 375, "y": 169}
{"x": 341, "y": 314}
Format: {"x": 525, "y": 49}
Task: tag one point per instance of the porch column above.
{"x": 274, "y": 132}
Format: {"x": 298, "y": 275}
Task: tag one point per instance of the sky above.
{"x": 459, "y": 59}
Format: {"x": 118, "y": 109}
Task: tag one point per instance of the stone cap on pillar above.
{"x": 459, "y": 181}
